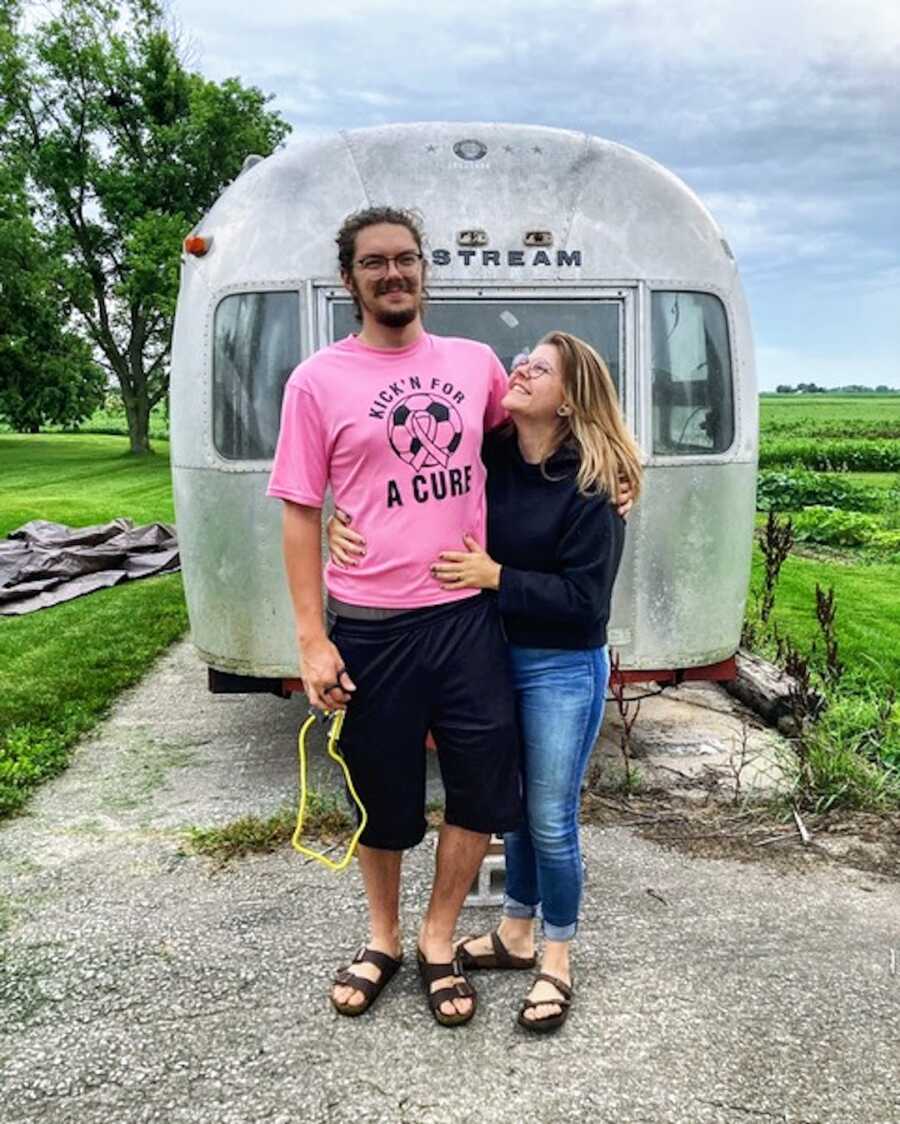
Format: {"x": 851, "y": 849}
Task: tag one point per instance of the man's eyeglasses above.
{"x": 530, "y": 369}
{"x": 375, "y": 264}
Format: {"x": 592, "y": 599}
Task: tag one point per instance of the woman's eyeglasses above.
{"x": 535, "y": 367}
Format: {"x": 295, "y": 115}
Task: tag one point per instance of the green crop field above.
{"x": 829, "y": 415}
{"x": 855, "y": 513}
{"x": 858, "y": 433}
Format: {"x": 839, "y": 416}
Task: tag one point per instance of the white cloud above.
{"x": 771, "y": 231}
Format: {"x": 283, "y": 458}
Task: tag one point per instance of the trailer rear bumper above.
{"x": 715, "y": 672}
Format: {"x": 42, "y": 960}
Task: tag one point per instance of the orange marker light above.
{"x": 197, "y": 245}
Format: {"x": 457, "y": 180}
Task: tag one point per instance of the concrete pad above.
{"x": 693, "y": 736}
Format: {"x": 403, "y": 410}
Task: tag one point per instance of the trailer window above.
{"x": 256, "y": 346}
{"x": 693, "y": 401}
{"x": 513, "y": 326}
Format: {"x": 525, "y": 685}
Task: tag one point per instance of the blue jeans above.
{"x": 559, "y": 696}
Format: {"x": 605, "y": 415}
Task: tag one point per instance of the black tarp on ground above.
{"x": 44, "y": 564}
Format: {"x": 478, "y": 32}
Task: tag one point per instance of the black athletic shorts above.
{"x": 443, "y": 669}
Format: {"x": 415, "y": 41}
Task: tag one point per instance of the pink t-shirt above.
{"x": 397, "y": 436}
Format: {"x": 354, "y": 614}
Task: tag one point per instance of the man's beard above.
{"x": 398, "y": 319}
{"x": 391, "y": 318}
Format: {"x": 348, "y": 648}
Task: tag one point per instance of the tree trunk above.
{"x": 137, "y": 411}
{"x": 137, "y": 400}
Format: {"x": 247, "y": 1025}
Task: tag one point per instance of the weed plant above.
{"x": 854, "y": 752}
{"x": 326, "y": 818}
{"x": 846, "y": 744}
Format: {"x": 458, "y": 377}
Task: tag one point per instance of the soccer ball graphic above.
{"x": 424, "y": 431}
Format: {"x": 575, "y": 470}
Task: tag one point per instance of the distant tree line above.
{"x": 111, "y": 150}
{"x": 853, "y": 388}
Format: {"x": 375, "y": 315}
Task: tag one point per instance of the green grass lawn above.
{"x": 81, "y": 479}
{"x": 868, "y": 612}
{"x": 60, "y": 668}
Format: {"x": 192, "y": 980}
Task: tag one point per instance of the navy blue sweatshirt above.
{"x": 559, "y": 550}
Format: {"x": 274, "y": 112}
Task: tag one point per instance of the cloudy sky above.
{"x": 784, "y": 116}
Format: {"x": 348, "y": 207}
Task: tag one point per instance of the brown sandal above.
{"x": 429, "y": 973}
{"x": 371, "y": 989}
{"x": 501, "y": 957}
{"x": 550, "y": 1022}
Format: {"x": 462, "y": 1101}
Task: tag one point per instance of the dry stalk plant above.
{"x": 628, "y": 709}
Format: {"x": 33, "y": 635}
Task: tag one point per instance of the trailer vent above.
{"x": 472, "y": 238}
{"x": 470, "y": 149}
{"x": 539, "y": 238}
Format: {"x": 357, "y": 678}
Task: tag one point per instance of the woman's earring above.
{"x": 563, "y": 411}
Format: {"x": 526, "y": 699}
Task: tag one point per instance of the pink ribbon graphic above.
{"x": 423, "y": 426}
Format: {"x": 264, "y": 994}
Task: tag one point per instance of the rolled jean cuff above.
{"x": 512, "y": 908}
{"x": 559, "y": 932}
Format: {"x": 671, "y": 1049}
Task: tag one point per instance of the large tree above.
{"x": 125, "y": 150}
{"x": 47, "y": 372}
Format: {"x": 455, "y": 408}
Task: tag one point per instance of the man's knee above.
{"x": 463, "y": 837}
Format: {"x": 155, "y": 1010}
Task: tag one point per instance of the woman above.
{"x": 554, "y": 544}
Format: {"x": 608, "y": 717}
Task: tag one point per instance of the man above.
{"x": 393, "y": 420}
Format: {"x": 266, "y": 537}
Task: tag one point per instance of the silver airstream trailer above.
{"x": 528, "y": 229}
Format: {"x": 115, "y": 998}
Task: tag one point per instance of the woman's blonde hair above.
{"x": 608, "y": 452}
